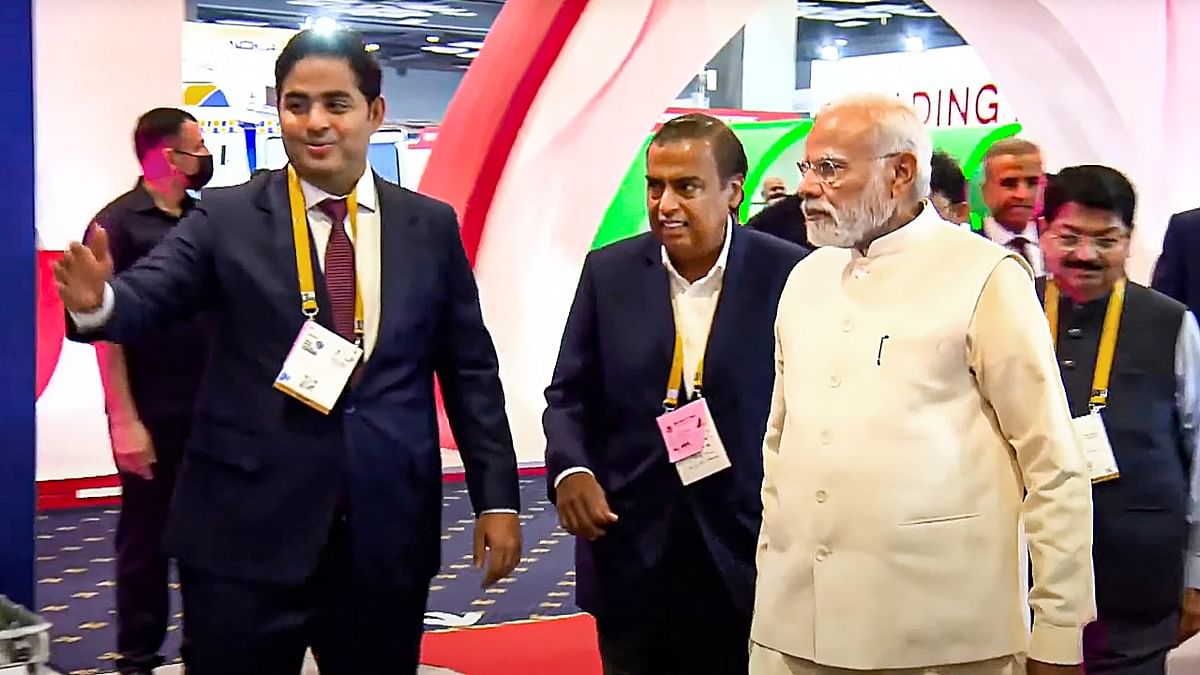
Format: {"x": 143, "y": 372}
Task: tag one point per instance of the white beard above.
{"x": 853, "y": 223}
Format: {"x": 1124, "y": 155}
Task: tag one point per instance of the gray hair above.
{"x": 897, "y": 130}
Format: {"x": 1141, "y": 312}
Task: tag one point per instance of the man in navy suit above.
{"x": 1177, "y": 273}
{"x": 680, "y": 316}
{"x": 296, "y": 523}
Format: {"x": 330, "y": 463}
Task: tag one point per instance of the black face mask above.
{"x": 203, "y": 174}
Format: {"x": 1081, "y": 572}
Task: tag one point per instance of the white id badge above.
{"x": 1093, "y": 437}
{"x": 710, "y": 460}
{"x": 318, "y": 367}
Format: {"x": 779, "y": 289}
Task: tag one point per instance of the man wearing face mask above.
{"x": 150, "y": 385}
{"x": 1130, "y": 360}
{"x": 918, "y": 417}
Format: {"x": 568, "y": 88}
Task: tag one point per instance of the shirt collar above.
{"x": 364, "y": 192}
{"x": 144, "y": 201}
{"x": 718, "y": 267}
{"x": 1003, "y": 236}
{"x": 904, "y": 236}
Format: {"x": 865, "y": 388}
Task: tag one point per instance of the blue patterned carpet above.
{"x": 76, "y": 562}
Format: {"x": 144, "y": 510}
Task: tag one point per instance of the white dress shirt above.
{"x": 1004, "y": 236}
{"x": 693, "y": 303}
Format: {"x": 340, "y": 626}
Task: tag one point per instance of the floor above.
{"x": 75, "y": 578}
{"x": 75, "y": 587}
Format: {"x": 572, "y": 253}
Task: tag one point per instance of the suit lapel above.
{"x": 655, "y": 316}
{"x": 737, "y": 294}
{"x": 274, "y": 201}
{"x": 395, "y": 244}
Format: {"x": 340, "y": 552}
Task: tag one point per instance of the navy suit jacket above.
{"x": 608, "y": 389}
{"x": 1177, "y": 272}
{"x": 263, "y": 474}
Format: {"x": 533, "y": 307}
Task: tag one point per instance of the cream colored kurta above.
{"x": 916, "y": 398}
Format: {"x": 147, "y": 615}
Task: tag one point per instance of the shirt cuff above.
{"x": 97, "y": 318}
{"x": 572, "y": 470}
{"x": 1059, "y": 645}
{"x": 1192, "y": 571}
{"x": 509, "y": 511}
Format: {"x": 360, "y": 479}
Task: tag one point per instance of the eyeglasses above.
{"x": 831, "y": 171}
{"x": 1070, "y": 241}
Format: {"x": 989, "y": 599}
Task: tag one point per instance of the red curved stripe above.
{"x": 51, "y": 326}
{"x": 485, "y": 117}
{"x": 480, "y": 201}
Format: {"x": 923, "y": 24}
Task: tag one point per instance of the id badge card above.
{"x": 1093, "y": 437}
{"x": 693, "y": 444}
{"x": 318, "y": 367}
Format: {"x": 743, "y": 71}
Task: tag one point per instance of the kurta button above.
{"x": 1069, "y": 364}
{"x": 1075, "y": 332}
{"x": 835, "y": 381}
{"x": 821, "y": 496}
{"x": 847, "y": 326}
{"x": 822, "y": 553}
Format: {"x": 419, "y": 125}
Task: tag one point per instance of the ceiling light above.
{"x": 441, "y": 49}
{"x": 468, "y": 55}
{"x": 432, "y": 39}
{"x": 841, "y": 42}
{"x": 469, "y": 44}
{"x": 324, "y": 25}
{"x": 914, "y": 43}
{"x": 829, "y": 53}
{"x": 372, "y": 47}
{"x": 853, "y": 23}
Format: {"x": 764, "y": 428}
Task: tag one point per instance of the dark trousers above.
{"x": 143, "y": 599}
{"x": 255, "y": 628}
{"x": 695, "y": 630}
{"x": 1122, "y": 647}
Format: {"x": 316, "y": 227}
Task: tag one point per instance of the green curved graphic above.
{"x": 798, "y": 131}
{"x": 766, "y": 143}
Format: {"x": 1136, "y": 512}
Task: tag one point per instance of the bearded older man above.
{"x": 918, "y": 418}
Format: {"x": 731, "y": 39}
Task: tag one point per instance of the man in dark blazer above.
{"x": 665, "y": 562}
{"x": 1177, "y": 272}
{"x": 297, "y": 527}
{"x": 1145, "y": 544}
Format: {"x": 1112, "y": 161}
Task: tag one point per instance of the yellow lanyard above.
{"x": 675, "y": 379}
{"x": 308, "y": 286}
{"x": 1108, "y": 338}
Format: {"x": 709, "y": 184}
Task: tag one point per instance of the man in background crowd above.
{"x": 670, "y": 328}
{"x": 773, "y": 189}
{"x": 1177, "y": 272}
{"x": 1012, "y": 178}
{"x": 1130, "y": 361}
{"x": 782, "y": 218}
{"x": 948, "y": 189}
{"x": 918, "y": 417}
{"x": 150, "y": 384}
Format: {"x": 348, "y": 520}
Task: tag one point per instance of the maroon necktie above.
{"x": 1018, "y": 245}
{"x": 339, "y": 269}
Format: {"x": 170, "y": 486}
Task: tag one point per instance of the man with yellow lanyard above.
{"x": 307, "y": 509}
{"x": 1130, "y": 362}
{"x": 656, "y": 413}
